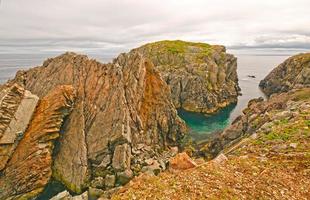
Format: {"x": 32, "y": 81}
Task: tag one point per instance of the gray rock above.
{"x": 94, "y": 193}
{"x": 153, "y": 169}
{"x": 105, "y": 161}
{"x": 293, "y": 145}
{"x": 124, "y": 177}
{"x": 292, "y": 73}
{"x": 109, "y": 181}
{"x": 121, "y": 157}
{"x": 279, "y": 147}
{"x": 65, "y": 195}
{"x": 98, "y": 182}
{"x": 199, "y": 81}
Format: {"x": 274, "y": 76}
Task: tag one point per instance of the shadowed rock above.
{"x": 291, "y": 74}
{"x": 30, "y": 167}
{"x": 117, "y": 107}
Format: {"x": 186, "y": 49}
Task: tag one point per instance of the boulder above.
{"x": 181, "y": 162}
{"x": 124, "y": 177}
{"x": 110, "y": 181}
{"x": 121, "y": 157}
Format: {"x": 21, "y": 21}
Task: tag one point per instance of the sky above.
{"x": 114, "y": 26}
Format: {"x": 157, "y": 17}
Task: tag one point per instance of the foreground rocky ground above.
{"x": 273, "y": 162}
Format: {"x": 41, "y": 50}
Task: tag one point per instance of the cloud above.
{"x": 116, "y": 26}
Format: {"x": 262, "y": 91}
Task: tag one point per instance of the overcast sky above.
{"x": 117, "y": 25}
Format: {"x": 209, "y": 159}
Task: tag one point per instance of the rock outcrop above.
{"x": 292, "y": 73}
{"x": 202, "y": 77}
{"x": 260, "y": 115}
{"x": 273, "y": 163}
{"x": 29, "y": 167}
{"x": 121, "y": 111}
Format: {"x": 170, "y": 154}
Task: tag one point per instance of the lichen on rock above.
{"x": 292, "y": 73}
{"x": 202, "y": 77}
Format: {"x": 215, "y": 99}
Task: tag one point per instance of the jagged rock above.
{"x": 202, "y": 77}
{"x": 121, "y": 157}
{"x": 246, "y": 124}
{"x": 65, "y": 195}
{"x": 118, "y": 106}
{"x": 153, "y": 169}
{"x": 29, "y": 169}
{"x": 124, "y": 177}
{"x": 95, "y": 193}
{"x": 220, "y": 159}
{"x": 292, "y": 73}
{"x": 181, "y": 162}
{"x": 16, "y": 108}
{"x": 294, "y": 145}
{"x": 110, "y": 181}
{"x": 98, "y": 182}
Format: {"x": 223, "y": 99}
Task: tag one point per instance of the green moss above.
{"x": 302, "y": 94}
{"x": 274, "y": 136}
{"x": 57, "y": 176}
{"x": 179, "y": 47}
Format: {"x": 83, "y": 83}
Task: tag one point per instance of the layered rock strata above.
{"x": 30, "y": 166}
{"x": 122, "y": 115}
{"x": 202, "y": 77}
{"x": 292, "y": 73}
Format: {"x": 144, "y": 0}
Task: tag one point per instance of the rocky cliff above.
{"x": 202, "y": 77}
{"x": 264, "y": 154}
{"x": 292, "y": 73}
{"x": 85, "y": 124}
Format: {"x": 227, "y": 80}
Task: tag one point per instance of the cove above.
{"x": 203, "y": 126}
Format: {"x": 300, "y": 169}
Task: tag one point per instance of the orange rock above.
{"x": 181, "y": 162}
{"x": 30, "y": 167}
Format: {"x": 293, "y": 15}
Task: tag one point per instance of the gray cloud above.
{"x": 116, "y": 26}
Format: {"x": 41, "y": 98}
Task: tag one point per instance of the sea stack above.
{"x": 202, "y": 77}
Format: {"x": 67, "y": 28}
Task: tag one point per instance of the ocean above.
{"x": 201, "y": 125}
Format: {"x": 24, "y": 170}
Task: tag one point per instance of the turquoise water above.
{"x": 201, "y": 125}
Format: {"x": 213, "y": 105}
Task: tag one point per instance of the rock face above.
{"x": 292, "y": 73}
{"x": 117, "y": 108}
{"x": 259, "y": 116}
{"x": 202, "y": 78}
{"x": 16, "y": 108}
{"x": 30, "y": 166}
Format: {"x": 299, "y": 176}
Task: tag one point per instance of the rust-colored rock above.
{"x": 30, "y": 168}
{"x": 181, "y": 162}
{"x": 120, "y": 104}
{"x": 16, "y": 108}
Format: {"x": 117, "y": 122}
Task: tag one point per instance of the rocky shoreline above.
{"x": 264, "y": 153}
{"x": 202, "y": 77}
{"x": 93, "y": 127}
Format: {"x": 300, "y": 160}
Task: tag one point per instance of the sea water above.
{"x": 201, "y": 125}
